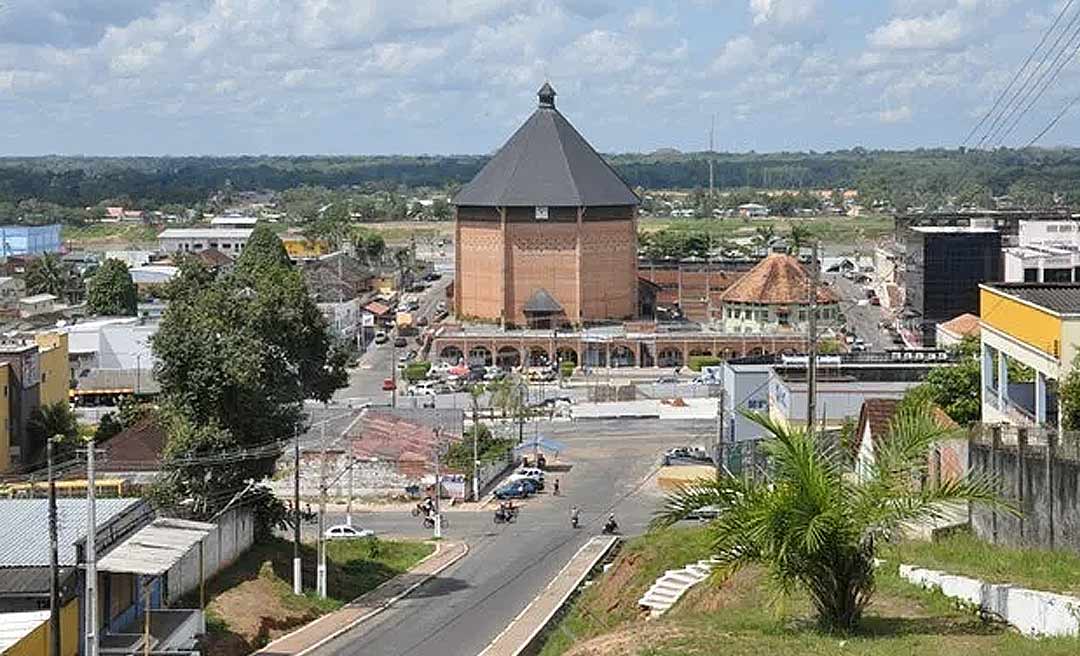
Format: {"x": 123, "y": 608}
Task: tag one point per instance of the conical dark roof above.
{"x": 546, "y": 163}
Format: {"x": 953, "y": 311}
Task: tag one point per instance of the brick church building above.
{"x": 546, "y": 233}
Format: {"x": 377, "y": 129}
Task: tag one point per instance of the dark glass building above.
{"x": 943, "y": 268}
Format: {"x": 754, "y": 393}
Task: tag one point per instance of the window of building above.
{"x": 1057, "y": 275}
{"x": 1031, "y": 275}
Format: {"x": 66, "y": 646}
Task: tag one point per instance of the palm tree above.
{"x": 49, "y": 274}
{"x": 763, "y": 237}
{"x": 798, "y": 237}
{"x": 816, "y": 527}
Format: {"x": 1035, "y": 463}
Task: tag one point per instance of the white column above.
{"x": 1040, "y": 398}
{"x": 1003, "y": 379}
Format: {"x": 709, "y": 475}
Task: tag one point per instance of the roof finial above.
{"x": 547, "y": 96}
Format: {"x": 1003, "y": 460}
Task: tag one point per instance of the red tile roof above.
{"x": 377, "y": 308}
{"x": 878, "y": 413}
{"x": 391, "y": 438}
{"x": 965, "y": 325}
{"x": 137, "y": 448}
{"x": 778, "y": 279}
{"x": 214, "y": 258}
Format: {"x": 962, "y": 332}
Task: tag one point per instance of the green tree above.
{"x": 237, "y": 355}
{"x": 955, "y": 387}
{"x": 49, "y": 274}
{"x": 1069, "y": 394}
{"x": 815, "y": 527}
{"x": 799, "y": 236}
{"x": 111, "y": 290}
{"x": 263, "y": 249}
{"x": 763, "y": 237}
{"x": 54, "y": 420}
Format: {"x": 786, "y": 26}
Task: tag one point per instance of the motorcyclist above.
{"x": 556, "y": 487}
{"x": 428, "y": 506}
{"x": 575, "y": 516}
{"x": 611, "y": 526}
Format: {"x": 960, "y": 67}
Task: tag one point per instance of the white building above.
{"x": 11, "y": 290}
{"x": 752, "y": 210}
{"x": 1042, "y": 264}
{"x": 130, "y": 258}
{"x": 37, "y": 304}
{"x": 343, "y": 318}
{"x": 234, "y": 221}
{"x": 230, "y": 241}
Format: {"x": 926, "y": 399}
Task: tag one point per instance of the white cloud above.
{"x": 736, "y": 53}
{"x": 897, "y": 115}
{"x": 783, "y": 12}
{"x": 920, "y": 32}
{"x": 600, "y": 51}
{"x": 647, "y": 18}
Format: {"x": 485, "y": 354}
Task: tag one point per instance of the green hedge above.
{"x": 566, "y": 369}
{"x": 416, "y": 371}
{"x": 699, "y": 361}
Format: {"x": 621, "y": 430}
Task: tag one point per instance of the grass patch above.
{"x": 106, "y": 232}
{"x": 251, "y": 603}
{"x": 613, "y": 600}
{"x": 829, "y": 229}
{"x": 745, "y": 617}
{"x": 962, "y": 553}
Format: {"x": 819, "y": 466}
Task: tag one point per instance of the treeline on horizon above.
{"x": 924, "y": 177}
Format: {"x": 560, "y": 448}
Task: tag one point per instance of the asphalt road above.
{"x": 463, "y": 609}
{"x": 864, "y": 318}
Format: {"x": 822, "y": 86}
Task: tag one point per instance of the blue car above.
{"x": 516, "y": 490}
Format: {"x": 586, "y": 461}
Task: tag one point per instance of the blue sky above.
{"x": 457, "y": 76}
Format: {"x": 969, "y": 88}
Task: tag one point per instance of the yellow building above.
{"x": 55, "y": 373}
{"x": 300, "y": 247}
{"x": 1036, "y": 325}
{"x": 35, "y": 642}
{"x": 5, "y": 418}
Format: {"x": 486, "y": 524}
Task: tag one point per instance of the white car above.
{"x": 346, "y": 532}
{"x": 421, "y": 390}
{"x": 530, "y": 472}
{"x": 441, "y": 368}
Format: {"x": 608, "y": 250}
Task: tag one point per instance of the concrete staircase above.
{"x": 673, "y": 584}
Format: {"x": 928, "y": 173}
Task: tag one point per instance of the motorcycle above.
{"x": 429, "y": 522}
{"x": 611, "y": 527}
{"x": 574, "y": 521}
{"x": 505, "y": 517}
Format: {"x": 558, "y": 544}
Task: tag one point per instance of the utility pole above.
{"x": 438, "y": 484}
{"x": 712, "y": 128}
{"x": 393, "y": 375}
{"x": 91, "y": 553}
{"x": 320, "y": 577}
{"x": 476, "y": 447}
{"x": 297, "y": 577}
{"x": 811, "y": 363}
{"x": 54, "y": 559}
{"x": 348, "y": 507}
{"x": 720, "y": 435}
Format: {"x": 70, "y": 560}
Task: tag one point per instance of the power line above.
{"x": 1053, "y": 122}
{"x": 1022, "y": 93}
{"x": 1019, "y": 71}
{"x": 1060, "y": 63}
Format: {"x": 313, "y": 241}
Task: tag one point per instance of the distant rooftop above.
{"x": 952, "y": 229}
{"x": 1057, "y": 297}
{"x": 205, "y": 233}
{"x": 24, "y": 540}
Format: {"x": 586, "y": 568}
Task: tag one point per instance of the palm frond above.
{"x": 694, "y": 495}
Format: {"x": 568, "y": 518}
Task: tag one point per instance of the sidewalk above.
{"x": 522, "y": 631}
{"x": 332, "y": 625}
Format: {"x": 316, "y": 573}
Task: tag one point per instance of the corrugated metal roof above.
{"x": 28, "y": 581}
{"x": 24, "y": 528}
{"x": 16, "y": 626}
{"x": 1063, "y": 298}
{"x": 154, "y": 549}
{"x": 546, "y": 163}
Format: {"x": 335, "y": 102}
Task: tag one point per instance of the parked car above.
{"x": 380, "y": 337}
{"x": 400, "y": 342}
{"x": 422, "y": 322}
{"x": 705, "y": 513}
{"x": 421, "y": 390}
{"x": 538, "y": 483}
{"x": 441, "y": 367}
{"x": 531, "y": 472}
{"x": 432, "y": 277}
{"x": 542, "y": 376}
{"x": 388, "y": 385}
{"x": 346, "y": 532}
{"x": 694, "y": 453}
{"x": 667, "y": 380}
{"x": 519, "y": 489}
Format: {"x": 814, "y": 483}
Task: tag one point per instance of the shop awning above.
{"x": 155, "y": 548}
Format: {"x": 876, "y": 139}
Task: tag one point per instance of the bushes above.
{"x": 417, "y": 371}
{"x": 566, "y": 369}
{"x": 699, "y": 361}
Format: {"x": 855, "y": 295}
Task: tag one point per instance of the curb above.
{"x": 383, "y": 606}
{"x": 540, "y": 627}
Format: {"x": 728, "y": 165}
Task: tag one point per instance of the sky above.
{"x": 216, "y": 77}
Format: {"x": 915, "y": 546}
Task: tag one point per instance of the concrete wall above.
{"x": 37, "y": 643}
{"x": 1033, "y": 612}
{"x": 1051, "y": 513}
{"x": 234, "y": 534}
